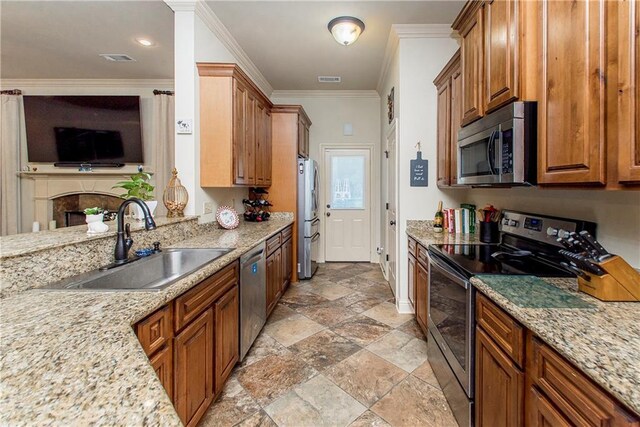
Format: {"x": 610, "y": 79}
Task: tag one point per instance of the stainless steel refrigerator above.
{"x": 308, "y": 221}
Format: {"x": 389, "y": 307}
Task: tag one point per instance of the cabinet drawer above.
{"x": 156, "y": 330}
{"x": 412, "y": 246}
{"x": 421, "y": 255}
{"x": 190, "y": 304}
{"x": 581, "y": 401}
{"x": 504, "y": 330}
{"x": 274, "y": 243}
{"x": 286, "y": 233}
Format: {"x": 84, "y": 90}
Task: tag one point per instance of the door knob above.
{"x": 392, "y": 222}
{"x": 328, "y": 213}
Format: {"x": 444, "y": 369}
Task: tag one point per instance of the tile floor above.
{"x": 335, "y": 352}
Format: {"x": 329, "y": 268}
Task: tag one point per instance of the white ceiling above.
{"x": 62, "y": 39}
{"x": 290, "y": 44}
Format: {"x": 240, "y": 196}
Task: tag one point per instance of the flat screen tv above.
{"x": 68, "y": 130}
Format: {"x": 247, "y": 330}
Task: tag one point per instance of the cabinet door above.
{"x": 162, "y": 363}
{"x": 444, "y": 133}
{"x": 240, "y": 171}
{"x": 227, "y": 317}
{"x": 306, "y": 140}
{"x": 456, "y": 121}
{"x": 274, "y": 279}
{"x": 499, "y": 386}
{"x": 501, "y": 83}
{"x": 287, "y": 266}
{"x": 250, "y": 139}
{"x": 472, "y": 63}
{"x": 541, "y": 413}
{"x": 303, "y": 138}
{"x": 629, "y": 92}
{"x": 412, "y": 282}
{"x": 422, "y": 296}
{"x": 260, "y": 160}
{"x": 267, "y": 157}
{"x": 193, "y": 369}
{"x": 571, "y": 98}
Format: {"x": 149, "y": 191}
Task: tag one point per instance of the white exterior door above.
{"x": 390, "y": 217}
{"x": 348, "y": 214}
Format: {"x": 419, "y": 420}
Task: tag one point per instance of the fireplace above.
{"x": 68, "y": 210}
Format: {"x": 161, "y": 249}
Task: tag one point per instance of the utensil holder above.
{"x": 621, "y": 283}
{"x": 489, "y": 232}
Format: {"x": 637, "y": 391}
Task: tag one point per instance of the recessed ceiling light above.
{"x": 145, "y": 42}
{"x": 117, "y": 57}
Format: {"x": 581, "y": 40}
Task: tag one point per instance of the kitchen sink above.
{"x": 152, "y": 273}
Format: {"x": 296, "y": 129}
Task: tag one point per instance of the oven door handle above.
{"x": 450, "y": 273}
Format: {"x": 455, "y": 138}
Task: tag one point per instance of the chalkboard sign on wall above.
{"x": 419, "y": 171}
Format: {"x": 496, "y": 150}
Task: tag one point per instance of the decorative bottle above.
{"x": 438, "y": 219}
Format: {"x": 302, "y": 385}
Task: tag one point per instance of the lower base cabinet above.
{"x": 422, "y": 295}
{"x": 511, "y": 360}
{"x": 274, "y": 279}
{"x": 193, "y": 342}
{"x": 227, "y": 335}
{"x": 279, "y": 266}
{"x": 194, "y": 369}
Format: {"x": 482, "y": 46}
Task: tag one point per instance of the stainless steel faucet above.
{"x": 124, "y": 240}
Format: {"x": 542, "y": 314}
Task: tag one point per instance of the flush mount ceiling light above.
{"x": 346, "y": 29}
{"x": 145, "y": 42}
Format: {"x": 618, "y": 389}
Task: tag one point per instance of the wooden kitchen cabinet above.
{"x": 470, "y": 26}
{"x": 193, "y": 368}
{"x": 411, "y": 276}
{"x": 227, "y": 333}
{"x": 501, "y": 55}
{"x": 274, "y": 279}
{"x": 449, "y": 107}
{"x": 303, "y": 136}
{"x": 193, "y": 342}
{"x": 162, "y": 363}
{"x": 287, "y": 265}
{"x": 499, "y": 386}
{"x": 571, "y": 92}
{"x": 542, "y": 413}
{"x": 235, "y": 130}
{"x": 628, "y": 108}
{"x": 422, "y": 295}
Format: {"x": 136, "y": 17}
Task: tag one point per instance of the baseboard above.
{"x": 404, "y": 307}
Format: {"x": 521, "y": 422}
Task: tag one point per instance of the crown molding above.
{"x": 324, "y": 94}
{"x": 181, "y": 5}
{"x": 409, "y": 31}
{"x": 128, "y": 83}
{"x": 204, "y": 12}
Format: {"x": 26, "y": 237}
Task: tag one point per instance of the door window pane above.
{"x": 347, "y": 182}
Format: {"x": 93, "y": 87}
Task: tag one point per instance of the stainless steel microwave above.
{"x": 500, "y": 149}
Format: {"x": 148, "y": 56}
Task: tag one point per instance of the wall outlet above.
{"x": 207, "y": 208}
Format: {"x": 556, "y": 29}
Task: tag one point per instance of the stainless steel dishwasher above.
{"x": 253, "y": 296}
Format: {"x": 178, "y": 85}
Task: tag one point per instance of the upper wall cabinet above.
{"x": 470, "y": 26}
{"x": 571, "y": 92}
{"x": 449, "y": 86}
{"x": 501, "y": 44}
{"x": 628, "y": 110}
{"x": 235, "y": 129}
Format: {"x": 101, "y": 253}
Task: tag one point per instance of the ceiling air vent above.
{"x": 329, "y": 79}
{"x": 117, "y": 57}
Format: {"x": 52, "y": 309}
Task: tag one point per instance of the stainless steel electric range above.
{"x": 528, "y": 246}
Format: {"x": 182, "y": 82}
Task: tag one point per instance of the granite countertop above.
{"x": 422, "y": 232}
{"x": 603, "y": 340}
{"x": 71, "y": 357}
{"x": 20, "y": 244}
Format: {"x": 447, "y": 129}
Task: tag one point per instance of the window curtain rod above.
{"x": 162, "y": 92}
{"x": 11, "y": 92}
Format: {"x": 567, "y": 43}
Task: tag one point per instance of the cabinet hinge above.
{"x": 386, "y": 154}
{"x": 387, "y": 257}
{"x": 386, "y": 206}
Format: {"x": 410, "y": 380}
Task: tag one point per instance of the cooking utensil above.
{"x": 582, "y": 262}
{"x": 602, "y": 252}
{"x": 575, "y": 270}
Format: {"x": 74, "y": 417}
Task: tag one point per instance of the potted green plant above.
{"x": 138, "y": 186}
{"x": 95, "y": 220}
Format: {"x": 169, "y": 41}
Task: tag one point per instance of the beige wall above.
{"x": 329, "y": 111}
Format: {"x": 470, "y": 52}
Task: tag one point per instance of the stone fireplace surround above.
{"x": 51, "y": 186}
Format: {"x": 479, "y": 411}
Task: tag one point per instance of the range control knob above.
{"x": 552, "y": 231}
{"x": 505, "y": 221}
{"x": 563, "y": 233}
{"x": 513, "y": 223}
